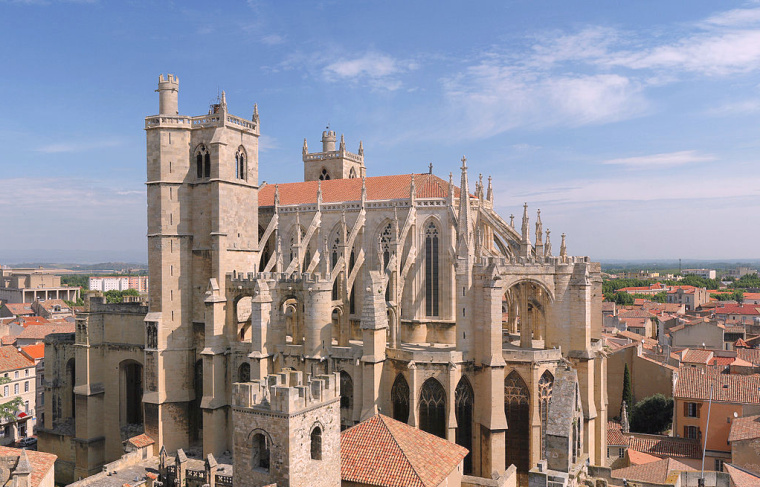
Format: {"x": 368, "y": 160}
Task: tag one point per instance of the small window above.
{"x": 260, "y": 450}
{"x": 691, "y": 432}
{"x": 26, "y": 386}
{"x": 26, "y": 372}
{"x": 691, "y": 410}
{"x": 621, "y": 453}
{"x": 316, "y": 444}
{"x": 325, "y": 176}
{"x": 718, "y": 465}
{"x": 15, "y": 374}
{"x": 15, "y": 388}
{"x": 5, "y": 391}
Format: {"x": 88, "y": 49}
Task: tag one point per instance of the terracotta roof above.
{"x": 20, "y": 309}
{"x": 722, "y": 361}
{"x": 40, "y": 462}
{"x": 338, "y": 190}
{"x": 740, "y": 343}
{"x": 48, "y": 304}
{"x": 745, "y": 428}
{"x": 655, "y": 472}
{"x": 740, "y": 363}
{"x": 741, "y": 477}
{"x": 384, "y": 452}
{"x": 141, "y": 441}
{"x": 697, "y": 356}
{"x": 635, "y": 313}
{"x": 684, "y": 289}
{"x": 653, "y": 287}
{"x": 7, "y": 340}
{"x": 751, "y": 355}
{"x": 751, "y": 296}
{"x": 12, "y": 359}
{"x": 735, "y": 309}
{"x": 639, "y": 458}
{"x": 608, "y": 306}
{"x": 615, "y": 434}
{"x": 36, "y": 351}
{"x": 695, "y": 384}
{"x": 39, "y": 332}
{"x": 665, "y": 446}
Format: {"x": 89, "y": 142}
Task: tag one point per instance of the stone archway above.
{"x": 400, "y": 399}
{"x": 463, "y": 403}
{"x": 517, "y": 410}
{"x": 433, "y": 408}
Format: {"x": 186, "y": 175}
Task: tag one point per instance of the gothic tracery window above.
{"x": 517, "y": 409}
{"x": 385, "y": 244}
{"x": 463, "y": 403}
{"x": 202, "y": 162}
{"x": 151, "y": 330}
{"x": 240, "y": 172}
{"x": 545, "y": 385}
{"x": 400, "y": 399}
{"x": 324, "y": 176}
{"x": 433, "y": 408}
{"x": 431, "y": 270}
{"x": 244, "y": 372}
{"x": 346, "y": 399}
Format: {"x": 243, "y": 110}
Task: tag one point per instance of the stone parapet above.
{"x": 286, "y": 392}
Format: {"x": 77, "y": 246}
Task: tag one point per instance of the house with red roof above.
{"x": 18, "y": 382}
{"x": 689, "y": 296}
{"x": 745, "y": 314}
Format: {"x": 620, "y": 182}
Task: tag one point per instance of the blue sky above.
{"x": 634, "y": 126}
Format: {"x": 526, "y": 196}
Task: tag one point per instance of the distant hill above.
{"x": 66, "y": 258}
{"x": 103, "y": 266}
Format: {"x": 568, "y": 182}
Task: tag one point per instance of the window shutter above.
{"x": 686, "y": 409}
{"x": 699, "y": 407}
{"x": 685, "y": 431}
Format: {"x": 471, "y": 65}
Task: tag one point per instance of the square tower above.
{"x": 286, "y": 431}
{"x": 331, "y": 163}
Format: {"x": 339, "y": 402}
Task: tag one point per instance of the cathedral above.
{"x": 424, "y": 303}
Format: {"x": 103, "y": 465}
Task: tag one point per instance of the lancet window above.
{"x": 431, "y": 270}
{"x": 324, "y": 175}
{"x": 433, "y": 408}
{"x": 240, "y": 172}
{"x": 545, "y": 385}
{"x": 517, "y": 409}
{"x": 400, "y": 399}
{"x": 202, "y": 162}
{"x": 463, "y": 402}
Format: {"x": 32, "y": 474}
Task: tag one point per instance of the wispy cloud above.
{"x": 662, "y": 160}
{"x": 273, "y": 39}
{"x": 378, "y": 69}
{"x": 79, "y": 146}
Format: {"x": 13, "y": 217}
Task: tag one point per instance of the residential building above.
{"x": 744, "y": 438}
{"x": 700, "y": 334}
{"x": 18, "y": 373}
{"x": 118, "y": 283}
{"x": 37, "y": 353}
{"x": 691, "y": 297}
{"x": 731, "y": 394}
{"x": 14, "y": 310}
{"x": 28, "y": 285}
{"x": 746, "y": 314}
{"x": 655, "y": 288}
{"x": 740, "y": 272}
{"x": 703, "y": 273}
{"x": 52, "y": 309}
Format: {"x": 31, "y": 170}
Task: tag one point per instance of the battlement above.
{"x": 286, "y": 392}
{"x": 170, "y": 79}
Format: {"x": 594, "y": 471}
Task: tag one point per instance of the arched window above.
{"x": 260, "y": 451}
{"x": 385, "y": 245}
{"x": 463, "y": 401}
{"x": 244, "y": 372}
{"x": 400, "y": 399}
{"x": 131, "y": 375}
{"x": 202, "y": 162}
{"x": 324, "y": 176}
{"x": 316, "y": 443}
{"x": 352, "y": 173}
{"x": 71, "y": 372}
{"x": 346, "y": 400}
{"x": 240, "y": 172}
{"x": 196, "y": 414}
{"x": 431, "y": 270}
{"x": 517, "y": 409}
{"x": 545, "y": 385}
{"x": 433, "y": 408}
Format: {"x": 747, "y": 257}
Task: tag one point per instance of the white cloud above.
{"x": 662, "y": 160}
{"x": 272, "y": 39}
{"x": 79, "y": 146}
{"x": 379, "y": 70}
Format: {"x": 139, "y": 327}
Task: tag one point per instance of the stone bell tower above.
{"x": 202, "y": 185}
{"x": 331, "y": 163}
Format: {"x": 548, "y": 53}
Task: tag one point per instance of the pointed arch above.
{"x": 400, "y": 399}
{"x": 244, "y": 372}
{"x": 324, "y": 175}
{"x": 202, "y": 161}
{"x": 316, "y": 442}
{"x": 433, "y": 408}
{"x": 240, "y": 163}
{"x": 463, "y": 402}
{"x": 346, "y": 400}
{"x": 517, "y": 410}
{"x": 432, "y": 269}
{"x": 545, "y": 386}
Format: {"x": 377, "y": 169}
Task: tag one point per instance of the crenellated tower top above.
{"x": 168, "y": 95}
{"x": 332, "y": 162}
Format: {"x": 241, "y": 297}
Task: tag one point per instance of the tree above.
{"x": 627, "y": 389}
{"x": 115, "y": 296}
{"x": 652, "y": 415}
{"x": 9, "y": 409}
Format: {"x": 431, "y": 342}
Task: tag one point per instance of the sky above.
{"x": 633, "y": 125}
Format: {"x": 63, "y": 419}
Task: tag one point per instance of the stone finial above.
{"x": 319, "y": 195}
{"x": 276, "y": 196}
{"x": 255, "y": 116}
{"x": 450, "y": 196}
{"x": 481, "y": 191}
{"x": 563, "y": 249}
{"x": 364, "y": 192}
{"x": 525, "y": 222}
{"x": 224, "y": 100}
{"x": 548, "y": 245}
{"x": 412, "y": 190}
{"x": 539, "y": 228}
{"x": 489, "y": 195}
{"x": 625, "y": 426}
{"x": 181, "y": 456}
{"x": 430, "y": 168}
{"x": 512, "y": 220}
{"x": 342, "y": 143}
{"x": 361, "y": 149}
{"x": 305, "y": 147}
{"x": 464, "y": 231}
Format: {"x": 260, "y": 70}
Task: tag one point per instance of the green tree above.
{"x": 652, "y": 415}
{"x": 627, "y": 390}
{"x": 8, "y": 409}
{"x": 115, "y": 296}
{"x": 624, "y": 299}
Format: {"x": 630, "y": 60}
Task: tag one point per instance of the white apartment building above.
{"x": 703, "y": 273}
{"x": 119, "y": 283}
